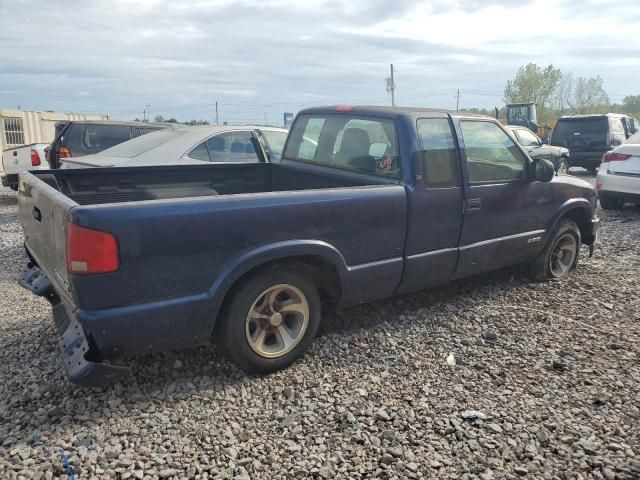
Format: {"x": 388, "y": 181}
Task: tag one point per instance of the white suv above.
{"x": 618, "y": 179}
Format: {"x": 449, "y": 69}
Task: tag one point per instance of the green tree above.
{"x": 631, "y": 104}
{"x": 533, "y": 84}
{"x": 158, "y": 119}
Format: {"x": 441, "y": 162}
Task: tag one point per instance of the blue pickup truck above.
{"x": 367, "y": 202}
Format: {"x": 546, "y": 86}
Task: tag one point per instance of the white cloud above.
{"x": 282, "y": 55}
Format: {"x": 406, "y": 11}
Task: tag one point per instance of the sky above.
{"x": 261, "y": 58}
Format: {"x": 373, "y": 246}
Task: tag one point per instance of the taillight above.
{"x": 35, "y": 158}
{"x": 91, "y": 251}
{"x": 614, "y": 157}
{"x": 598, "y": 187}
{"x": 64, "y": 152}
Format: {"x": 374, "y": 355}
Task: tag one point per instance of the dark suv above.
{"x": 589, "y": 137}
{"x": 79, "y": 138}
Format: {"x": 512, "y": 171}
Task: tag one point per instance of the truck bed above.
{"x": 114, "y": 185}
{"x": 181, "y": 230}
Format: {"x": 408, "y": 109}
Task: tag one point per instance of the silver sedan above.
{"x": 182, "y": 144}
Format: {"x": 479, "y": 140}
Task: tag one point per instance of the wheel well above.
{"x": 323, "y": 273}
{"x": 581, "y": 217}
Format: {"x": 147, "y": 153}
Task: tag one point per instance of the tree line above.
{"x": 161, "y": 119}
{"x": 558, "y": 93}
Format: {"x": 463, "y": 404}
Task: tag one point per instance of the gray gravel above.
{"x": 491, "y": 377}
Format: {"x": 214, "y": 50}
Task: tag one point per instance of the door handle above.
{"x": 37, "y": 214}
{"x": 473, "y": 204}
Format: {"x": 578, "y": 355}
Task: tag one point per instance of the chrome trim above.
{"x": 431, "y": 253}
{"x": 374, "y": 264}
{"x": 534, "y": 233}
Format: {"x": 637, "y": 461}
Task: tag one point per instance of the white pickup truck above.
{"x": 20, "y": 159}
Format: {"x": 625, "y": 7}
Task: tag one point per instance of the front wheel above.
{"x": 560, "y": 256}
{"x": 270, "y": 321}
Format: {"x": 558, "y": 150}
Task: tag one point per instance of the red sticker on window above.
{"x": 387, "y": 162}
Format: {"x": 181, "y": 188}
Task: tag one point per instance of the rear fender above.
{"x": 265, "y": 254}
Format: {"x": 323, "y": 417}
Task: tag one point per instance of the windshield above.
{"x": 364, "y": 144}
{"x": 143, "y": 143}
{"x": 581, "y": 126}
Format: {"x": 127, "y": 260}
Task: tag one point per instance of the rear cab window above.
{"x": 357, "y": 143}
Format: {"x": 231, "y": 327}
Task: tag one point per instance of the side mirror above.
{"x": 544, "y": 141}
{"x": 543, "y": 170}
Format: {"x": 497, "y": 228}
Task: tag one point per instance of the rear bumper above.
{"x": 91, "y": 337}
{"x": 592, "y": 234}
{"x": 623, "y": 185}
{"x": 79, "y": 355}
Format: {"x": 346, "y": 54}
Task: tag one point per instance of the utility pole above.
{"x": 217, "y": 121}
{"x": 391, "y": 87}
{"x": 147, "y": 113}
{"x": 458, "y": 101}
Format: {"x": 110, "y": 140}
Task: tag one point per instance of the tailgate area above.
{"x": 44, "y": 214}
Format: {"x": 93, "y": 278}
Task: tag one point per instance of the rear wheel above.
{"x": 611, "y": 202}
{"x": 560, "y": 256}
{"x": 270, "y": 321}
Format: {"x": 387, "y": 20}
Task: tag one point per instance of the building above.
{"x": 21, "y": 127}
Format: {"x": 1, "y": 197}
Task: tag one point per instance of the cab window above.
{"x": 492, "y": 155}
{"x": 439, "y": 155}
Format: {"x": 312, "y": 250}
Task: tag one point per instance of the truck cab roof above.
{"x": 390, "y": 112}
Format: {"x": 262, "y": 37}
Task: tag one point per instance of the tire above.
{"x": 592, "y": 170}
{"x": 563, "y": 167}
{"x": 554, "y": 262}
{"x": 611, "y": 202}
{"x": 280, "y": 298}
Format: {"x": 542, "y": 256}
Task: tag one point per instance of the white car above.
{"x": 182, "y": 144}
{"x": 20, "y": 159}
{"x": 618, "y": 179}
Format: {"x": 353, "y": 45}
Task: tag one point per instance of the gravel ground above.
{"x": 546, "y": 384}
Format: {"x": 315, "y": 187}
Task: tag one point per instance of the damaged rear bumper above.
{"x": 592, "y": 235}
{"x": 80, "y": 357}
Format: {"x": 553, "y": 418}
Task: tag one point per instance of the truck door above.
{"x": 505, "y": 212}
{"x": 435, "y": 219}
